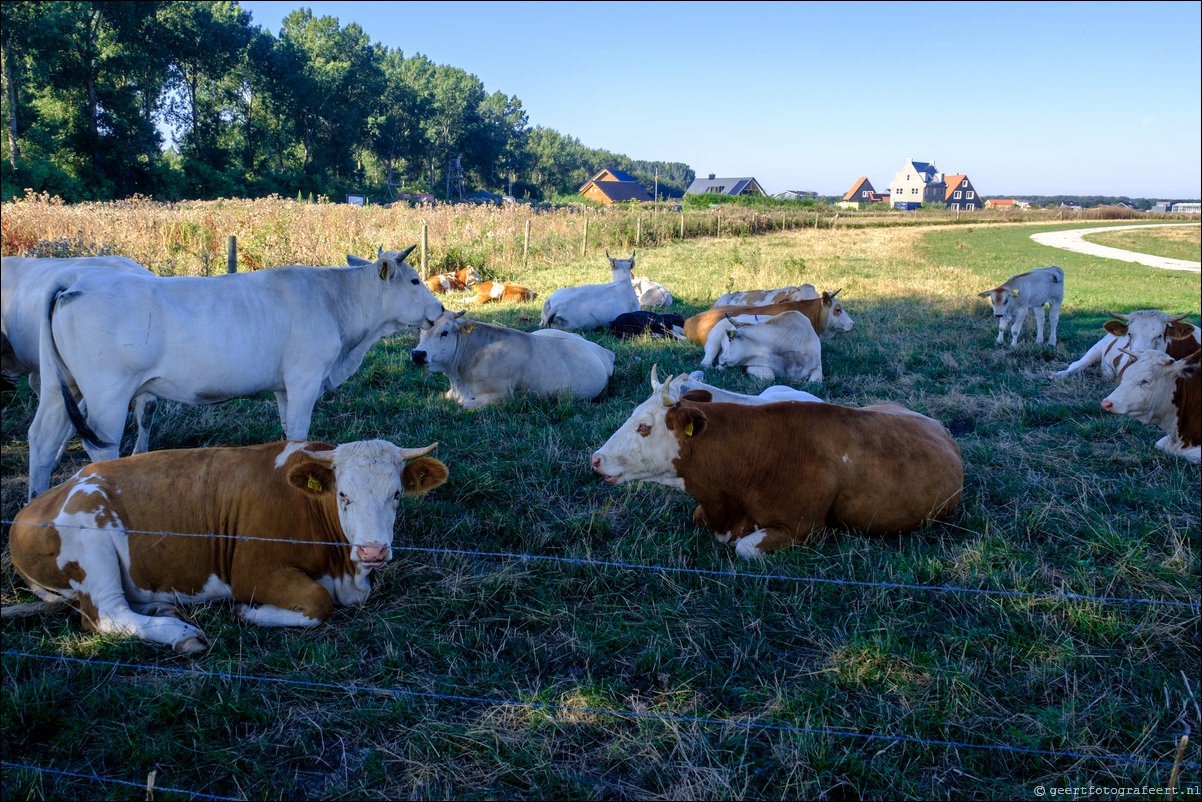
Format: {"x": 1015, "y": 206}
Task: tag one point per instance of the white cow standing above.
{"x": 591, "y": 306}
{"x": 26, "y": 286}
{"x": 783, "y": 345}
{"x": 486, "y": 363}
{"x": 296, "y": 331}
{"x": 1028, "y": 291}
{"x": 1141, "y": 330}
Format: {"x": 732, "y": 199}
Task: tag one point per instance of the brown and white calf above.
{"x": 459, "y": 280}
{"x": 491, "y": 291}
{"x": 773, "y": 475}
{"x": 1166, "y": 393}
{"x": 826, "y": 314}
{"x": 287, "y": 530}
{"x": 1141, "y": 330}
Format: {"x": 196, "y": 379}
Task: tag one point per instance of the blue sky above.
{"x": 1039, "y": 98}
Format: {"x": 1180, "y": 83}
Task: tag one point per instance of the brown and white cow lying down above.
{"x": 1141, "y": 330}
{"x": 459, "y": 280}
{"x": 825, "y": 313}
{"x": 773, "y": 475}
{"x": 1167, "y": 393}
{"x": 491, "y": 291}
{"x": 96, "y": 540}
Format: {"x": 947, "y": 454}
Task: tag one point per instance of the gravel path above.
{"x": 1071, "y": 241}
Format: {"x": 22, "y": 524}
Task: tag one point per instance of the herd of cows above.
{"x": 100, "y": 335}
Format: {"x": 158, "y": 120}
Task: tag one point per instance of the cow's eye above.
{"x": 342, "y": 497}
{"x": 444, "y": 334}
{"x": 396, "y": 496}
{"x": 414, "y": 281}
{"x": 644, "y": 429}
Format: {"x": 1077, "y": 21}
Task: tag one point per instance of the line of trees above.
{"x": 90, "y": 88}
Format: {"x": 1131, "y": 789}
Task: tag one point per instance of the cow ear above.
{"x": 690, "y": 421}
{"x": 698, "y": 396}
{"x": 1014, "y": 293}
{"x": 984, "y": 294}
{"x": 1116, "y": 327}
{"x": 312, "y": 477}
{"x": 423, "y": 475}
{"x": 1179, "y": 331}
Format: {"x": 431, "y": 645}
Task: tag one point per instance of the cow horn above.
{"x": 413, "y": 453}
{"x": 836, "y": 292}
{"x": 1123, "y": 318}
{"x": 654, "y": 379}
{"x": 1179, "y": 318}
{"x": 663, "y": 390}
{"x": 1130, "y": 354}
{"x": 408, "y": 251}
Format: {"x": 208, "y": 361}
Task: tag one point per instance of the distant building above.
{"x": 613, "y": 186}
{"x": 726, "y": 186}
{"x": 1194, "y": 208}
{"x": 1161, "y": 207}
{"x": 915, "y": 184}
{"x": 960, "y": 194}
{"x": 796, "y": 194}
{"x": 1006, "y": 203}
{"x": 861, "y": 192}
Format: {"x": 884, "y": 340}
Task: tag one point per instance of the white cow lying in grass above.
{"x": 486, "y": 363}
{"x": 1032, "y": 290}
{"x": 1142, "y": 330}
{"x": 591, "y": 306}
{"x": 679, "y": 385}
{"x": 651, "y": 293}
{"x": 805, "y": 292}
{"x": 1166, "y": 393}
{"x": 783, "y": 345}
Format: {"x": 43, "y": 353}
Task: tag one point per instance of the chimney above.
{"x": 711, "y": 178}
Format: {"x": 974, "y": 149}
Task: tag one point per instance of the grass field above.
{"x": 645, "y": 661}
{"x": 1175, "y": 243}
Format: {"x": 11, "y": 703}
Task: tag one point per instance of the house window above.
{"x": 970, "y": 195}
{"x": 864, "y": 194}
{"x": 913, "y": 190}
{"x": 957, "y": 195}
{"x": 955, "y": 207}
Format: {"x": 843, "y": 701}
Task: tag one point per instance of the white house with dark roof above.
{"x": 725, "y": 186}
{"x": 917, "y": 183}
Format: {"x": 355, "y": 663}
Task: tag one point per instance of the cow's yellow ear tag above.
{"x": 314, "y": 485}
{"x": 468, "y": 329}
{"x": 384, "y": 272}
{"x": 688, "y": 430}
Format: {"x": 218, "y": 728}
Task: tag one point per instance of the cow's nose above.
{"x": 596, "y": 463}
{"x": 419, "y": 357}
{"x": 1108, "y": 405}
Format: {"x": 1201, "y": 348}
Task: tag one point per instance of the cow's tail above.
{"x": 73, "y": 411}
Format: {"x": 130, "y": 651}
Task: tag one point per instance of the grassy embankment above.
{"x": 1059, "y": 498}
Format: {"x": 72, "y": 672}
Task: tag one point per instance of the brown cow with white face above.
{"x": 288, "y": 530}
{"x": 773, "y": 475}
{"x": 826, "y": 314}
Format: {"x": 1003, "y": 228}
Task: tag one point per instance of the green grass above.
{"x": 1175, "y": 243}
{"x": 1059, "y": 498}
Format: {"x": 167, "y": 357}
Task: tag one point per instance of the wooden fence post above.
{"x": 425, "y": 244}
{"x": 584, "y": 239}
{"x": 526, "y": 245}
{"x": 638, "y": 231}
{"x": 718, "y": 231}
{"x": 231, "y": 254}
{"x": 682, "y": 223}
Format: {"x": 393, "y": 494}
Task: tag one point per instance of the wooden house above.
{"x": 614, "y": 186}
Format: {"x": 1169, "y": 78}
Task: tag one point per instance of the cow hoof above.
{"x": 190, "y": 645}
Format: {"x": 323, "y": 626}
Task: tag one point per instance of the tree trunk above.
{"x": 14, "y": 148}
